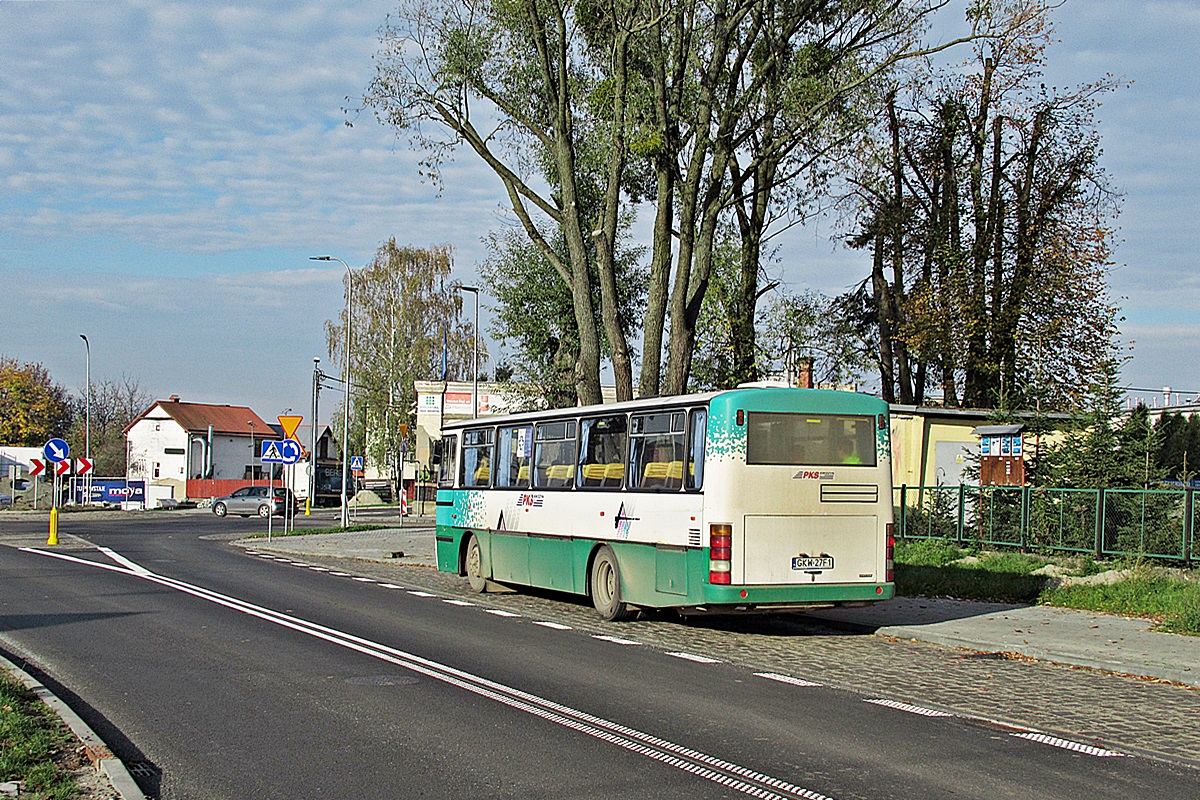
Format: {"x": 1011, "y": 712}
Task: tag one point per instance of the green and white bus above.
{"x": 752, "y": 499}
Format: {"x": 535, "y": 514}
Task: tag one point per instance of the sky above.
{"x": 168, "y": 169}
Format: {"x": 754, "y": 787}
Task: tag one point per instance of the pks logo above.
{"x": 529, "y": 500}
{"x": 812, "y": 475}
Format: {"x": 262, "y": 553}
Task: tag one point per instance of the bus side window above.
{"x": 554, "y": 455}
{"x": 694, "y": 478}
{"x": 446, "y": 451}
{"x": 476, "y": 459}
{"x": 602, "y": 451}
{"x": 512, "y": 457}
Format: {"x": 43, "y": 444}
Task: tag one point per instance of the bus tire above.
{"x": 473, "y": 566}
{"x": 606, "y": 587}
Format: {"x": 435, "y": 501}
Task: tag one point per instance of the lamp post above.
{"x": 475, "y": 378}
{"x": 346, "y": 411}
{"x": 312, "y": 453}
{"x": 87, "y": 425}
{"x": 250, "y": 422}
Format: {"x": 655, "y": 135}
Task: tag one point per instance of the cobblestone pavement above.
{"x": 1140, "y": 717}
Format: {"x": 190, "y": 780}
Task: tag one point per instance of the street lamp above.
{"x": 312, "y": 453}
{"x": 250, "y": 422}
{"x": 87, "y": 405}
{"x": 475, "y": 379}
{"x": 346, "y": 411}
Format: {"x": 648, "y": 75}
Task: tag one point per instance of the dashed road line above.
{"x": 924, "y": 712}
{"x": 696, "y": 658}
{"x": 553, "y": 625}
{"x": 340, "y": 574}
{"x": 458, "y": 602}
{"x": 773, "y": 676}
{"x": 615, "y": 639}
{"x": 416, "y": 593}
{"x": 390, "y": 586}
{"x": 1066, "y": 744}
{"x": 499, "y": 612}
{"x": 364, "y": 580}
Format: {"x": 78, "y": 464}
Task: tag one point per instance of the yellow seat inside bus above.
{"x": 662, "y": 475}
{"x": 614, "y": 474}
{"x": 559, "y": 475}
{"x": 593, "y": 474}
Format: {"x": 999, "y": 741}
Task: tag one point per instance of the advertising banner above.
{"x": 112, "y": 490}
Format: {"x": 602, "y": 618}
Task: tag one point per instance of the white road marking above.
{"x": 772, "y": 676}
{"x": 500, "y": 612}
{"x": 458, "y": 602}
{"x": 1066, "y": 744}
{"x": 696, "y": 658}
{"x": 924, "y": 712}
{"x": 319, "y": 569}
{"x": 556, "y": 626}
{"x": 390, "y": 586}
{"x": 340, "y": 574}
{"x": 724, "y": 773}
{"x": 415, "y": 593}
{"x": 616, "y": 640}
{"x": 364, "y": 580}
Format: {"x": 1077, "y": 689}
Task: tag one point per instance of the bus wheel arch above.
{"x": 604, "y": 585}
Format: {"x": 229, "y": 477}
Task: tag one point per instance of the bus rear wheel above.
{"x": 473, "y": 566}
{"x": 606, "y": 587}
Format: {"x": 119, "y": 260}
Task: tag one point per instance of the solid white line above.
{"x": 696, "y": 658}
{"x": 556, "y": 626}
{"x": 716, "y": 770}
{"x": 1066, "y": 744}
{"x": 772, "y": 676}
{"x": 615, "y": 640}
{"x": 924, "y": 712}
{"x": 123, "y": 561}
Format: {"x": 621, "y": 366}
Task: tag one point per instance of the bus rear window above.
{"x": 810, "y": 439}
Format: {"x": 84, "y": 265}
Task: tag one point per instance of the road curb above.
{"x": 93, "y": 746}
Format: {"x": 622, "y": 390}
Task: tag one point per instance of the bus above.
{"x": 746, "y": 500}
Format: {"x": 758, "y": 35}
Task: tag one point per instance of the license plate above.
{"x": 812, "y": 562}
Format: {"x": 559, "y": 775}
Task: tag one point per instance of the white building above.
{"x": 196, "y": 449}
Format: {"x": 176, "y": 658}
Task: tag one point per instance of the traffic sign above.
{"x": 289, "y": 423}
{"x": 282, "y": 451}
{"x": 83, "y": 466}
{"x": 57, "y": 450}
{"x": 290, "y": 450}
{"x": 271, "y": 453}
{"x": 37, "y": 468}
{"x": 62, "y": 467}
{"x": 356, "y": 463}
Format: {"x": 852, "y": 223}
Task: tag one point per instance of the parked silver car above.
{"x": 251, "y": 500}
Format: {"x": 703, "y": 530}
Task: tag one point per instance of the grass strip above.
{"x": 33, "y": 742}
{"x": 935, "y": 568}
{"x": 317, "y": 531}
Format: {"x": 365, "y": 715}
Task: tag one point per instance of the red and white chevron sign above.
{"x": 83, "y": 466}
{"x": 62, "y": 467}
{"x": 37, "y": 468}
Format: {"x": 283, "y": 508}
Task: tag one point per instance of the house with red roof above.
{"x": 203, "y": 450}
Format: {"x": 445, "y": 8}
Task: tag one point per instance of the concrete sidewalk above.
{"x": 1063, "y": 636}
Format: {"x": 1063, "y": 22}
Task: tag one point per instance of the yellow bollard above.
{"x": 308, "y": 506}
{"x": 53, "y": 527}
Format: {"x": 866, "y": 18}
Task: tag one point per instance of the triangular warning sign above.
{"x": 271, "y": 452}
{"x": 290, "y": 423}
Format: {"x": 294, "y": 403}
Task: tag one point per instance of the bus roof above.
{"x": 825, "y": 397}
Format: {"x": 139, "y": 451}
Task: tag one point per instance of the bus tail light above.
{"x": 720, "y": 552}
{"x": 890, "y": 557}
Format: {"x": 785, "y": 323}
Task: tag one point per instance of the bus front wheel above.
{"x": 473, "y": 566}
{"x": 606, "y": 587}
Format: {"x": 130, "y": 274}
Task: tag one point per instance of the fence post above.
{"x": 1023, "y": 525}
{"x": 1100, "y": 523}
{"x": 1189, "y": 523}
{"x": 903, "y": 509}
{"x": 962, "y": 512}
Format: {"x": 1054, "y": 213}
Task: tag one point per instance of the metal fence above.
{"x": 1160, "y": 523}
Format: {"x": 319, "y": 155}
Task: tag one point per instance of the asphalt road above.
{"x": 219, "y": 674}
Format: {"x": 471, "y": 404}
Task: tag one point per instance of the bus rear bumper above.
{"x": 761, "y": 599}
